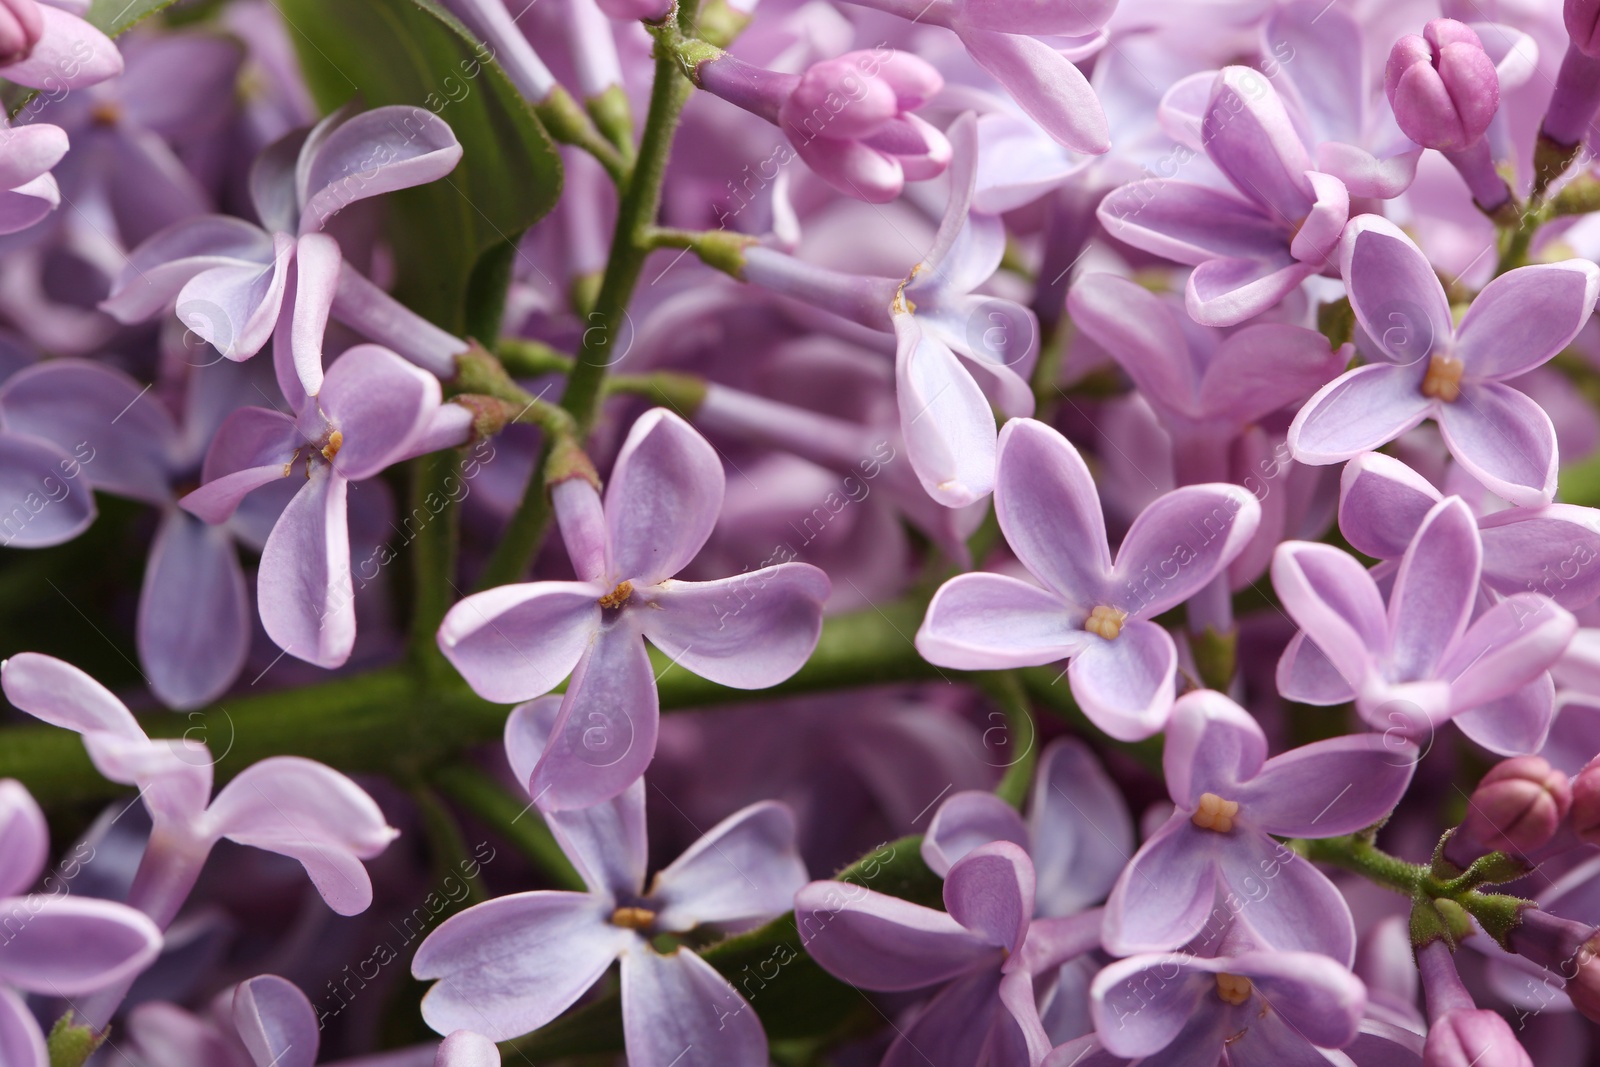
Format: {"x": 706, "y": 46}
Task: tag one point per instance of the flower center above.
{"x": 641, "y": 918}
{"x": 617, "y": 597}
{"x": 335, "y": 442}
{"x": 1105, "y": 621}
{"x": 1214, "y": 813}
{"x": 1443, "y": 380}
{"x": 106, "y": 113}
{"x": 1233, "y": 989}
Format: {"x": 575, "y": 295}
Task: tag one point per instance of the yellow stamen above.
{"x": 633, "y": 918}
{"x": 1105, "y": 621}
{"x": 618, "y": 596}
{"x": 106, "y": 113}
{"x": 1214, "y": 813}
{"x": 1233, "y": 989}
{"x": 1443, "y": 380}
{"x": 331, "y": 449}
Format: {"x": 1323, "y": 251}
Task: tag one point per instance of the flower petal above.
{"x": 276, "y": 1022}
{"x": 1524, "y": 317}
{"x": 1213, "y": 746}
{"x": 1286, "y": 902}
{"x": 1082, "y": 832}
{"x": 1434, "y": 591}
{"x": 1358, "y": 412}
{"x": 1045, "y": 84}
{"x": 43, "y": 498}
{"x": 304, "y": 588}
{"x": 1516, "y": 724}
{"x": 194, "y": 612}
{"x": 369, "y": 154}
{"x": 1050, "y": 512}
{"x": 159, "y": 268}
{"x": 1306, "y": 676}
{"x": 1503, "y": 438}
{"x": 1266, "y": 366}
{"x": 1125, "y": 686}
{"x": 664, "y": 496}
{"x": 63, "y": 946}
{"x": 1142, "y": 334}
{"x": 1190, "y": 223}
{"x": 71, "y": 54}
{"x": 990, "y": 892}
{"x": 965, "y": 821}
{"x": 21, "y": 1043}
{"x": 744, "y": 869}
{"x": 1333, "y": 599}
{"x": 518, "y": 642}
{"x": 1250, "y": 138}
{"x": 1542, "y": 550}
{"x": 983, "y": 621}
{"x": 1180, "y": 543}
{"x": 62, "y": 695}
{"x": 1226, "y": 292}
{"x": 316, "y": 278}
{"x": 24, "y": 838}
{"x": 1382, "y": 502}
{"x": 1317, "y": 998}
{"x": 235, "y": 308}
{"x": 1165, "y": 895}
{"x": 1505, "y": 648}
{"x": 677, "y": 1010}
{"x": 379, "y": 402}
{"x": 1397, "y": 297}
{"x": 1328, "y": 788}
{"x": 876, "y": 941}
{"x": 947, "y": 422}
{"x": 1141, "y": 1005}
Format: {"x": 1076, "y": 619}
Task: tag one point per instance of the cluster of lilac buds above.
{"x": 1050, "y": 533}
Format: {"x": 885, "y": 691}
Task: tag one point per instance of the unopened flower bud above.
{"x": 20, "y": 28}
{"x": 1583, "y": 25}
{"x": 1442, "y": 86}
{"x": 1475, "y": 1038}
{"x": 1585, "y": 811}
{"x": 1518, "y": 806}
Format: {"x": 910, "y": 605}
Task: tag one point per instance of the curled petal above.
{"x": 62, "y": 695}
{"x": 24, "y": 838}
{"x": 1126, "y": 685}
{"x": 876, "y": 941}
{"x": 963, "y": 822}
{"x": 1045, "y": 84}
{"x": 304, "y": 587}
{"x": 1213, "y": 746}
{"x": 276, "y": 1022}
{"x": 372, "y": 153}
{"x": 64, "y": 946}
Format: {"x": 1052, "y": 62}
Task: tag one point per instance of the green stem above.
{"x": 682, "y": 393}
{"x": 568, "y": 123}
{"x": 1021, "y": 742}
{"x": 435, "y": 485}
{"x": 523, "y": 358}
{"x": 519, "y": 823}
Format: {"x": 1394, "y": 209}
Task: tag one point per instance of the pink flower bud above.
{"x": 1583, "y": 979}
{"x": 1583, "y": 25}
{"x": 1473, "y": 1038}
{"x": 20, "y": 27}
{"x": 1442, "y": 86}
{"x": 1585, "y": 813}
{"x": 1518, "y": 806}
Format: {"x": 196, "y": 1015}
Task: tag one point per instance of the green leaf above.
{"x": 413, "y": 52}
{"x": 112, "y": 17}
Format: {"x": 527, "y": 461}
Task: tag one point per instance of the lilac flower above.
{"x": 1078, "y": 833}
{"x": 1427, "y": 367}
{"x": 510, "y": 965}
{"x": 54, "y": 945}
{"x": 375, "y": 409}
{"x": 66, "y": 51}
{"x": 1231, "y": 800}
{"x": 1257, "y": 1009}
{"x": 27, "y": 190}
{"x": 285, "y": 804}
{"x": 850, "y": 118}
{"x": 516, "y": 642}
{"x": 1546, "y": 549}
{"x": 230, "y": 279}
{"x": 944, "y": 333}
{"x": 1425, "y": 659}
{"x": 194, "y": 612}
{"x": 1460, "y": 1033}
{"x": 1090, "y": 610}
{"x": 1002, "y": 37}
{"x": 985, "y": 949}
{"x": 1443, "y": 87}
{"x": 491, "y": 23}
{"x": 467, "y": 1048}
{"x": 1252, "y": 248}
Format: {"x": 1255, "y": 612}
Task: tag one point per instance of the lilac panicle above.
{"x": 1087, "y": 608}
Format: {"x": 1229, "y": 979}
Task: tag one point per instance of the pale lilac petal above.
{"x": 24, "y": 838}
{"x": 990, "y": 892}
{"x": 62, "y": 695}
{"x": 1543, "y": 550}
{"x": 379, "y": 402}
{"x": 998, "y": 341}
{"x": 1397, "y": 297}
{"x": 1142, "y": 334}
{"x": 1516, "y": 724}
{"x": 375, "y": 152}
{"x": 276, "y": 1022}
{"x": 968, "y": 248}
{"x": 1074, "y": 18}
{"x": 1050, "y": 512}
{"x": 1434, "y": 590}
{"x": 1213, "y": 745}
{"x": 1359, "y": 412}
{"x": 508, "y": 966}
{"x": 1251, "y": 140}
{"x": 21, "y": 1043}
{"x": 1264, "y": 367}
{"x": 963, "y": 822}
{"x": 1190, "y": 223}
{"x": 72, "y": 945}
{"x": 1141, "y": 1005}
{"x": 582, "y": 520}
{"x": 1503, "y": 438}
{"x": 1045, "y": 84}
{"x": 316, "y": 263}
{"x": 467, "y": 1048}
{"x": 74, "y": 403}
{"x": 1226, "y": 292}
{"x": 304, "y": 590}
{"x": 71, "y": 54}
{"x": 174, "y": 777}
{"x": 982, "y": 621}
{"x": 194, "y": 613}
{"x": 881, "y": 942}
{"x": 677, "y": 1011}
{"x": 955, "y": 1028}
{"x": 1525, "y": 316}
{"x": 1082, "y": 832}
{"x": 1505, "y": 648}
{"x": 1180, "y": 543}
{"x": 605, "y": 735}
{"x": 1317, "y": 998}
{"x": 44, "y": 497}
{"x": 159, "y": 268}
{"x": 1366, "y": 175}
{"x": 29, "y": 151}
{"x": 1382, "y": 502}
{"x": 301, "y": 809}
{"x": 750, "y": 631}
{"x": 250, "y": 438}
{"x": 1317, "y": 240}
{"x": 1306, "y": 676}
{"x": 1327, "y": 788}
{"x": 947, "y": 422}
{"x": 1165, "y": 895}
{"x": 235, "y": 308}
{"x": 518, "y": 642}
{"x": 1333, "y": 598}
{"x": 1289, "y": 904}
{"x": 664, "y": 496}
{"x": 744, "y": 869}
{"x": 1125, "y": 686}
{"x": 27, "y": 204}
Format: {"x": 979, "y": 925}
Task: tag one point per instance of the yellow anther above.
{"x": 1443, "y": 380}
{"x": 1105, "y": 621}
{"x": 639, "y": 919}
{"x": 1214, "y": 813}
{"x": 1233, "y": 989}
{"x": 618, "y": 596}
{"x": 331, "y": 449}
{"x": 106, "y": 113}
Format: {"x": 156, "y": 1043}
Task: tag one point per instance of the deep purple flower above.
{"x": 1231, "y": 800}
{"x": 1253, "y": 247}
{"x": 750, "y": 631}
{"x": 375, "y": 409}
{"x": 985, "y": 950}
{"x": 1428, "y": 367}
{"x": 1091, "y": 610}
{"x": 510, "y": 965}
{"x": 55, "y": 945}
{"x": 1426, "y": 658}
